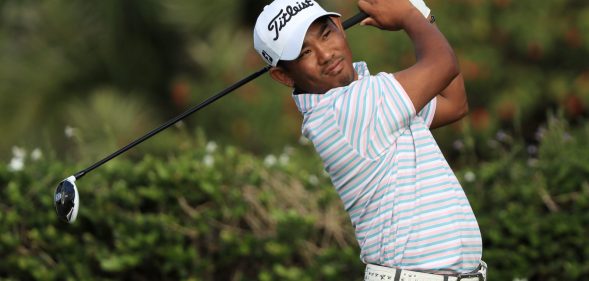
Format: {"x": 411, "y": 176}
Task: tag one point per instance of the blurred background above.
{"x": 223, "y": 195}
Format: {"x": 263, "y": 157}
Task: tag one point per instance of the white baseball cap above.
{"x": 281, "y": 27}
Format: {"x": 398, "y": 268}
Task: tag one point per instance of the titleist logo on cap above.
{"x": 285, "y": 15}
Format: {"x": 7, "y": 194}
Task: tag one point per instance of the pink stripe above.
{"x": 439, "y": 238}
{"x": 442, "y": 219}
{"x": 411, "y": 256}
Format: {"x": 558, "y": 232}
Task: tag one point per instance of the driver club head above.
{"x": 67, "y": 200}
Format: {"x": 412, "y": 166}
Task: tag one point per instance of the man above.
{"x": 412, "y": 219}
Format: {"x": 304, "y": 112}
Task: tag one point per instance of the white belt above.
{"x": 381, "y": 273}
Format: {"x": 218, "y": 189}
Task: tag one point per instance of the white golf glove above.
{"x": 420, "y": 5}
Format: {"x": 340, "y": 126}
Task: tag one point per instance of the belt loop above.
{"x": 445, "y": 278}
{"x": 398, "y": 274}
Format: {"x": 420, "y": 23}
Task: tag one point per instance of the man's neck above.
{"x": 297, "y": 91}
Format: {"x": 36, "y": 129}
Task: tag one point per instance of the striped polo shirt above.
{"x": 405, "y": 203}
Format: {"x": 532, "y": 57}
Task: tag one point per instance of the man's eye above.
{"x": 304, "y": 53}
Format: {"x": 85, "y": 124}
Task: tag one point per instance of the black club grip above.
{"x": 354, "y": 20}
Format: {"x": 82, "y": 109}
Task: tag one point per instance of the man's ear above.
{"x": 281, "y": 75}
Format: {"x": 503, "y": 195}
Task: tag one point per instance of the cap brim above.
{"x": 293, "y": 50}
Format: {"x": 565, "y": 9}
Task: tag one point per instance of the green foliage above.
{"x": 205, "y": 213}
{"x": 208, "y": 212}
{"x": 532, "y": 203}
{"x": 107, "y": 71}
{"x": 519, "y": 58}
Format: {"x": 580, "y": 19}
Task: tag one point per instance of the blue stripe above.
{"x": 427, "y": 138}
{"x": 421, "y": 145}
{"x": 452, "y": 231}
{"x": 439, "y": 225}
{"x": 323, "y": 136}
{"x": 345, "y": 112}
{"x": 396, "y": 100}
{"x": 391, "y": 117}
{"x": 355, "y": 115}
{"x": 328, "y": 146}
{"x": 344, "y": 168}
{"x": 330, "y": 164}
{"x": 457, "y": 255}
{"x": 327, "y": 158}
{"x": 376, "y": 226}
{"x": 455, "y": 248}
{"x": 459, "y": 237}
{"x": 434, "y": 176}
{"x": 428, "y": 211}
{"x": 430, "y": 170}
{"x": 381, "y": 134}
{"x": 364, "y": 110}
{"x": 369, "y": 166}
{"x": 406, "y": 249}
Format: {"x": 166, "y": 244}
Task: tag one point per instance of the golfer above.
{"x": 411, "y": 217}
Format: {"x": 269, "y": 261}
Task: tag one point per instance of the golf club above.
{"x": 67, "y": 199}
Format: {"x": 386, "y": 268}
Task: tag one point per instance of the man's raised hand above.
{"x": 387, "y": 14}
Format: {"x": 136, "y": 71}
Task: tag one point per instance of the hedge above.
{"x": 217, "y": 213}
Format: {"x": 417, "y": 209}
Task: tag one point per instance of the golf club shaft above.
{"x": 346, "y": 24}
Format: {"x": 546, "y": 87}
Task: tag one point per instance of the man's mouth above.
{"x": 335, "y": 67}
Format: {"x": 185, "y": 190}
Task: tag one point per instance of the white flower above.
{"x": 502, "y": 136}
{"x": 469, "y": 176}
{"x": 36, "y": 154}
{"x": 16, "y": 164}
{"x": 313, "y": 180}
{"x": 69, "y": 131}
{"x": 532, "y": 149}
{"x": 458, "y": 145}
{"x": 209, "y": 160}
{"x": 270, "y": 160}
{"x": 211, "y": 147}
{"x": 283, "y": 159}
{"x": 540, "y": 133}
{"x": 18, "y": 152}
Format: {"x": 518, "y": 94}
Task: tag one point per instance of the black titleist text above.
{"x": 285, "y": 15}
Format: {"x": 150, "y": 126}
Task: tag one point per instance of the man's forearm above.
{"x": 436, "y": 61}
{"x": 436, "y": 64}
{"x": 431, "y": 47}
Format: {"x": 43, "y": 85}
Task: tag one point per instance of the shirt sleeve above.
{"x": 373, "y": 112}
{"x": 428, "y": 112}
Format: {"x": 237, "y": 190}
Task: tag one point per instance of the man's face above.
{"x": 325, "y": 61}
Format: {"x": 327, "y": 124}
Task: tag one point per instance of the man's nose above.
{"x": 324, "y": 54}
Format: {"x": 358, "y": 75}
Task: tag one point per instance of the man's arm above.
{"x": 436, "y": 64}
{"x": 451, "y": 105}
{"x": 452, "y": 102}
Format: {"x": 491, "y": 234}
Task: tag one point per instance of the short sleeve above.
{"x": 373, "y": 112}
{"x": 428, "y": 112}
{"x": 397, "y": 108}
